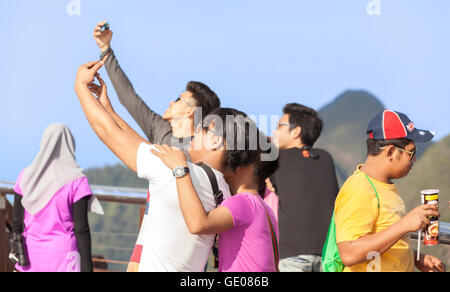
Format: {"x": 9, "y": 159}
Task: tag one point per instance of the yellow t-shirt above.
{"x": 357, "y": 214}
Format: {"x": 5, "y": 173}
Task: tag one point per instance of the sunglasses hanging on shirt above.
{"x": 309, "y": 153}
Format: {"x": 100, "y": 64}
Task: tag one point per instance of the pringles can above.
{"x": 431, "y": 233}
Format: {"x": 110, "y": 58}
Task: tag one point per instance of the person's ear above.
{"x": 296, "y": 132}
{"x": 390, "y": 152}
{"x": 190, "y": 111}
{"x": 218, "y": 143}
{"x": 239, "y": 170}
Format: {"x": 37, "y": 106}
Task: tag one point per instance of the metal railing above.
{"x": 108, "y": 194}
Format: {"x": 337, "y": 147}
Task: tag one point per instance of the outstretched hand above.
{"x": 102, "y": 38}
{"x": 87, "y": 72}
{"x": 170, "y": 156}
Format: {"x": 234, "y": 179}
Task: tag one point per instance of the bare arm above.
{"x": 195, "y": 216}
{"x": 121, "y": 143}
{"x": 197, "y": 220}
{"x": 156, "y": 129}
{"x": 355, "y": 252}
{"x": 102, "y": 95}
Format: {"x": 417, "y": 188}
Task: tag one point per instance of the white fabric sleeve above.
{"x": 150, "y": 167}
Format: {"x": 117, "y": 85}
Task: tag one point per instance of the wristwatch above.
{"x": 180, "y": 171}
{"x": 103, "y": 54}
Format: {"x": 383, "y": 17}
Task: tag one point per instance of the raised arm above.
{"x": 156, "y": 129}
{"x": 121, "y": 143}
{"x": 102, "y": 94}
{"x": 197, "y": 219}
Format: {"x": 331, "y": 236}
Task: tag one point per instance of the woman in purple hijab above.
{"x": 54, "y": 196}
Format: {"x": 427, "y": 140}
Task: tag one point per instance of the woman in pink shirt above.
{"x": 51, "y": 205}
{"x": 247, "y": 226}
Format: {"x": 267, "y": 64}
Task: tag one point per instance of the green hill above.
{"x": 116, "y": 175}
{"x": 345, "y": 125}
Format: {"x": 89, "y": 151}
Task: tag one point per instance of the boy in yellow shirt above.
{"x": 372, "y": 225}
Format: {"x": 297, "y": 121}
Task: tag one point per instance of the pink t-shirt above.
{"x": 247, "y": 247}
{"x": 272, "y": 200}
{"x": 49, "y": 234}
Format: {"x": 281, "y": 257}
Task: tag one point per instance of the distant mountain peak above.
{"x": 352, "y": 97}
{"x": 345, "y": 122}
{"x": 355, "y": 107}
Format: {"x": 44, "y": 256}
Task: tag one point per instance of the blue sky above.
{"x": 257, "y": 55}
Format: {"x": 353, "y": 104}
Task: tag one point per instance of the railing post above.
{"x": 3, "y": 238}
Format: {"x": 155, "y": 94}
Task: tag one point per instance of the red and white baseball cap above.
{"x": 390, "y": 124}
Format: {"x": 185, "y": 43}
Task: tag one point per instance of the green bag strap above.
{"x": 376, "y": 193}
{"x": 330, "y": 253}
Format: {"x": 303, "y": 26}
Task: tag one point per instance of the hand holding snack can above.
{"x": 431, "y": 233}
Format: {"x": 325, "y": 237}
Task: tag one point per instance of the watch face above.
{"x": 178, "y": 171}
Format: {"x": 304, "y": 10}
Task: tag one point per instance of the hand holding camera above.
{"x": 103, "y": 35}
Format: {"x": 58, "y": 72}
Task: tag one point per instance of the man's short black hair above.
{"x": 204, "y": 97}
{"x": 374, "y": 146}
{"x": 306, "y": 118}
